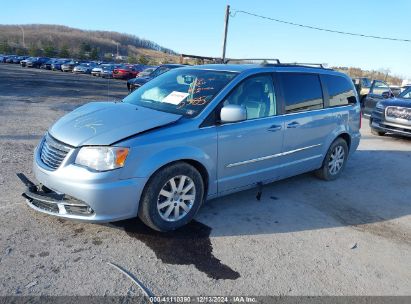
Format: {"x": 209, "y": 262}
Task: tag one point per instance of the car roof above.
{"x": 239, "y": 68}
{"x": 172, "y": 65}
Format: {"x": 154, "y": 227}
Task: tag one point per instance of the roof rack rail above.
{"x": 320, "y": 65}
{"x": 252, "y": 59}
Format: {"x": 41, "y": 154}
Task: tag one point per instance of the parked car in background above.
{"x": 56, "y": 65}
{"x": 379, "y": 91}
{"x": 84, "y": 68}
{"x": 69, "y": 66}
{"x": 362, "y": 85}
{"x": 107, "y": 71}
{"x": 47, "y": 64}
{"x": 193, "y": 134}
{"x": 36, "y": 62}
{"x": 128, "y": 71}
{"x": 24, "y": 61}
{"x": 98, "y": 70}
{"x": 406, "y": 83}
{"x": 146, "y": 72}
{"x": 392, "y": 115}
{"x": 135, "y": 83}
{"x": 396, "y": 90}
{"x": 18, "y": 59}
{"x": 10, "y": 58}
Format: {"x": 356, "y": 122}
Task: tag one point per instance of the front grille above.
{"x": 398, "y": 112}
{"x": 53, "y": 152}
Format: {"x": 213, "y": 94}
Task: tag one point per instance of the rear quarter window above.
{"x": 340, "y": 90}
{"x": 302, "y": 92}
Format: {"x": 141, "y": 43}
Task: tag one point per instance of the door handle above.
{"x": 274, "y": 128}
{"x": 293, "y": 124}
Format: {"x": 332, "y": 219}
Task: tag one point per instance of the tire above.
{"x": 378, "y": 133}
{"x": 327, "y": 171}
{"x": 160, "y": 196}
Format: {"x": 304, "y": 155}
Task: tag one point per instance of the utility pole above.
{"x": 227, "y": 16}
{"x": 22, "y": 30}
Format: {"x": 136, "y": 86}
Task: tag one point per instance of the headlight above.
{"x": 102, "y": 158}
{"x": 380, "y": 106}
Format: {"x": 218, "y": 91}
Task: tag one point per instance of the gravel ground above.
{"x": 305, "y": 237}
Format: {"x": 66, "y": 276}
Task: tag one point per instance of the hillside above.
{"x": 63, "y": 41}
{"x": 380, "y": 75}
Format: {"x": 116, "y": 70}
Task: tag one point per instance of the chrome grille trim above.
{"x": 399, "y": 115}
{"x": 53, "y": 152}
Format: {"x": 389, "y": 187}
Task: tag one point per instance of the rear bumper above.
{"x": 79, "y": 194}
{"x": 121, "y": 76}
{"x": 355, "y": 142}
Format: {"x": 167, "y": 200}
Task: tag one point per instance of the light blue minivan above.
{"x": 192, "y": 134}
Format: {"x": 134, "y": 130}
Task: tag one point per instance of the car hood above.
{"x": 104, "y": 123}
{"x": 140, "y": 80}
{"x": 397, "y": 102}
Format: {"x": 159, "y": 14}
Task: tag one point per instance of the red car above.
{"x": 127, "y": 71}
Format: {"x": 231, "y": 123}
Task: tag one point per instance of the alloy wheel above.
{"x": 176, "y": 198}
{"x": 336, "y": 160}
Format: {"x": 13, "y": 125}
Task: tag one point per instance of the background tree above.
{"x": 143, "y": 60}
{"x": 20, "y": 51}
{"x": 133, "y": 59}
{"x": 94, "y": 54}
{"x": 85, "y": 47}
{"x": 64, "y": 52}
{"x": 49, "y": 51}
{"x": 34, "y": 51}
{"x": 5, "y": 47}
{"x": 108, "y": 57}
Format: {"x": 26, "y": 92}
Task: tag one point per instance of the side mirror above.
{"x": 386, "y": 95}
{"x": 233, "y": 113}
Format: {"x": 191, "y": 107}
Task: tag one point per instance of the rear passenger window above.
{"x": 340, "y": 90}
{"x": 302, "y": 92}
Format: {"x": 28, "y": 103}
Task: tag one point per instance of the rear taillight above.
{"x": 360, "y": 118}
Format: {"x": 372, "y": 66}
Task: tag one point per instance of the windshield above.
{"x": 181, "y": 91}
{"x": 406, "y": 94}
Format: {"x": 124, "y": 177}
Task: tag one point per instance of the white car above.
{"x": 83, "y": 68}
{"x": 98, "y": 71}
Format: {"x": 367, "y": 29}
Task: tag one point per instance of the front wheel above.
{"x": 172, "y": 197}
{"x": 334, "y": 161}
{"x": 378, "y": 133}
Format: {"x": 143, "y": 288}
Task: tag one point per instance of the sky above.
{"x": 196, "y": 27}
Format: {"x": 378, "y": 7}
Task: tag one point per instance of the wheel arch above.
{"x": 197, "y": 158}
{"x": 346, "y": 137}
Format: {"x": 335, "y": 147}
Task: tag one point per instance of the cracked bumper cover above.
{"x": 76, "y": 193}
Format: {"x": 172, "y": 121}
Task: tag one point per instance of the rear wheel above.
{"x": 334, "y": 161}
{"x": 171, "y": 197}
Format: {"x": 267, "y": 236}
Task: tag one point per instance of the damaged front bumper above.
{"x": 75, "y": 193}
{"x": 45, "y": 200}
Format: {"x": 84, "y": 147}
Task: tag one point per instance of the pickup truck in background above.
{"x": 378, "y": 91}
